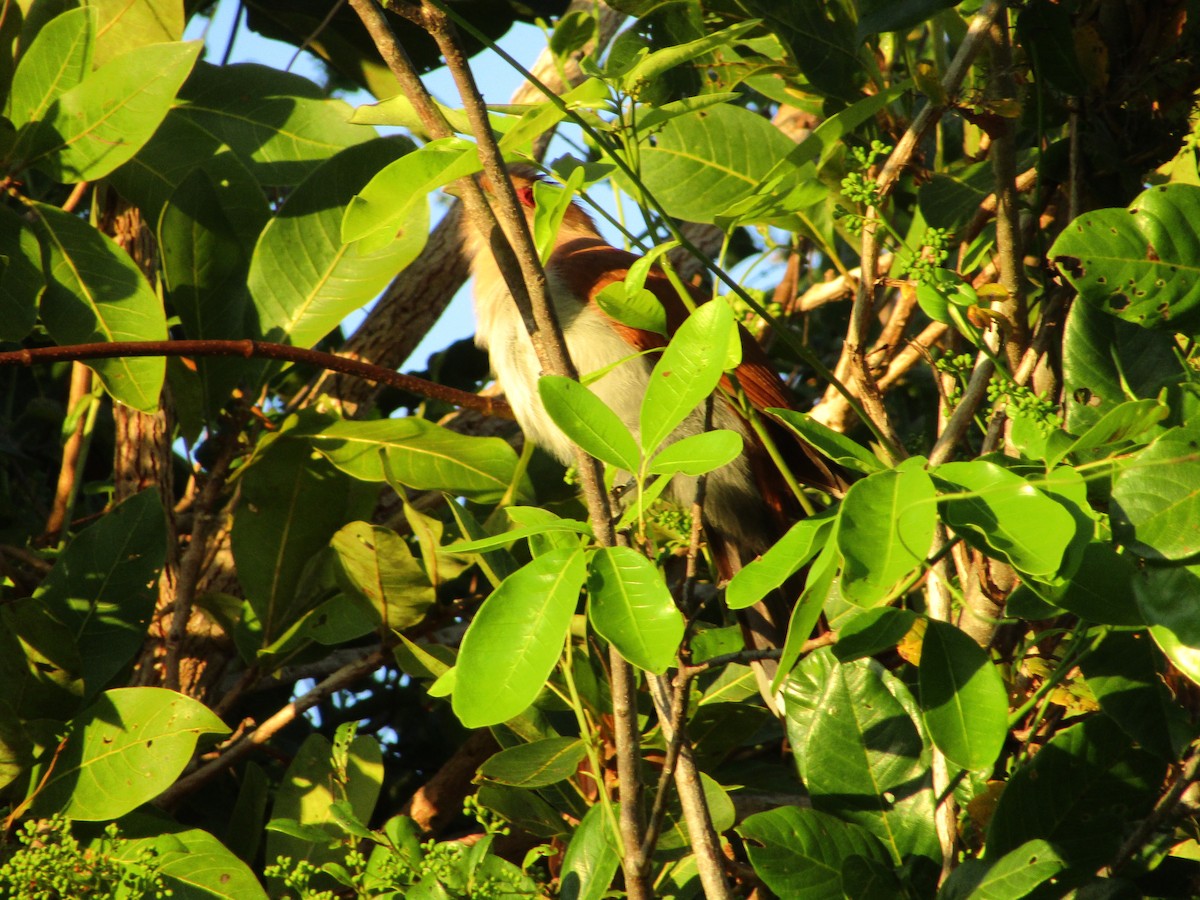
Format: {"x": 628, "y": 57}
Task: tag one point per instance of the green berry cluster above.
{"x": 858, "y": 185}
{"x": 1024, "y": 403}
{"x": 958, "y": 366}
{"x": 297, "y": 876}
{"x": 50, "y": 864}
{"x": 935, "y": 248}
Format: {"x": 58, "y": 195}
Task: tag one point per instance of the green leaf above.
{"x": 799, "y": 852}
{"x": 303, "y": 280}
{"x": 688, "y": 371}
{"x": 873, "y": 631}
{"x": 195, "y": 864}
{"x": 702, "y": 163}
{"x": 631, "y": 608}
{"x": 21, "y": 280}
{"x": 697, "y": 454}
{"x": 39, "y": 662}
{"x": 397, "y": 194}
{"x": 419, "y": 454}
{"x": 820, "y": 585}
{"x": 635, "y": 308}
{"x": 885, "y": 529}
{"x": 1168, "y": 599}
{"x": 551, "y": 202}
{"x": 59, "y": 58}
{"x": 1141, "y": 264}
{"x": 784, "y": 558}
{"x": 591, "y": 861}
{"x": 1105, "y": 361}
{"x": 962, "y": 697}
{"x": 1079, "y": 793}
{"x": 102, "y": 122}
{"x": 125, "y": 25}
{"x": 244, "y": 125}
{"x": 654, "y": 65}
{"x": 291, "y": 506}
{"x": 832, "y": 444}
{"x": 589, "y": 421}
{"x": 515, "y": 639}
{"x": 95, "y": 292}
{"x": 1127, "y": 676}
{"x": 1004, "y": 515}
{"x": 537, "y": 764}
{"x": 542, "y": 117}
{"x": 204, "y": 270}
{"x": 1156, "y": 498}
{"x": 1013, "y": 876}
{"x": 877, "y": 16}
{"x": 378, "y": 567}
{"x": 506, "y": 538}
{"x": 1129, "y": 421}
{"x": 1101, "y": 590}
{"x": 104, "y": 585}
{"x": 859, "y": 750}
{"x": 122, "y": 751}
{"x": 324, "y": 784}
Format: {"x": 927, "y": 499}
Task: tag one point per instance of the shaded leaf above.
{"x": 962, "y": 697}
{"x": 95, "y": 292}
{"x": 379, "y": 567}
{"x": 1156, "y": 498}
{"x": 859, "y": 750}
{"x": 799, "y": 852}
{"x": 537, "y": 764}
{"x": 122, "y": 751}
{"x": 103, "y": 586}
{"x": 885, "y": 530}
{"x": 1078, "y": 793}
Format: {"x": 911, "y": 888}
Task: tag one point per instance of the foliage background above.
{"x": 235, "y": 592}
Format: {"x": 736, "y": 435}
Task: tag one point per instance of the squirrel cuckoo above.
{"x": 747, "y": 504}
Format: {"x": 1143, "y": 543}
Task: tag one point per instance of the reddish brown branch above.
{"x": 248, "y": 349}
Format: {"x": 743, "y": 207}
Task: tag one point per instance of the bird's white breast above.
{"x": 732, "y": 500}
{"x": 592, "y": 343}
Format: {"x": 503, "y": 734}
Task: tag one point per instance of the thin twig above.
{"x": 1162, "y": 813}
{"x": 339, "y": 680}
{"x": 191, "y": 566}
{"x": 248, "y": 349}
{"x": 73, "y": 453}
{"x": 705, "y": 844}
{"x": 854, "y": 354}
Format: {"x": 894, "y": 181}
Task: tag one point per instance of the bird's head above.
{"x": 575, "y": 223}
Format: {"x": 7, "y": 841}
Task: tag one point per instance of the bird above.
{"x": 747, "y": 503}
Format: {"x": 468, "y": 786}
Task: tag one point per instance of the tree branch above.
{"x": 248, "y": 349}
{"x": 339, "y": 680}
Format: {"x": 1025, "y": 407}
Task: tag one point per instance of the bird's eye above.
{"x": 525, "y": 195}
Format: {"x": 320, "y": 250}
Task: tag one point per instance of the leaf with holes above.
{"x": 122, "y": 751}
{"x": 1141, "y": 264}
